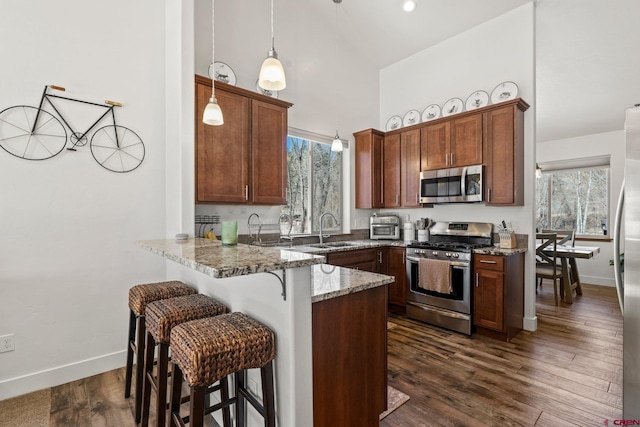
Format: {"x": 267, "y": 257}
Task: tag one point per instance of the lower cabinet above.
{"x": 359, "y": 259}
{"x": 349, "y": 336}
{"x": 498, "y": 295}
{"x": 386, "y": 260}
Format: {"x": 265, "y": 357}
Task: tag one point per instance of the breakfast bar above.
{"x": 294, "y": 294}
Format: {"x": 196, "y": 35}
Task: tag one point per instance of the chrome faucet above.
{"x": 321, "y": 220}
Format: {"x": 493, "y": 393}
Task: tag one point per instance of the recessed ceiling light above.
{"x": 409, "y": 5}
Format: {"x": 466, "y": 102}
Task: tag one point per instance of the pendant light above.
{"x": 212, "y": 112}
{"x": 272, "y": 74}
{"x": 336, "y": 145}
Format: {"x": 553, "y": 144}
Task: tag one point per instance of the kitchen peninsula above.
{"x": 329, "y": 322}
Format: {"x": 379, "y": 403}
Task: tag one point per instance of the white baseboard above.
{"x": 601, "y": 281}
{"x": 530, "y": 323}
{"x": 52, "y": 377}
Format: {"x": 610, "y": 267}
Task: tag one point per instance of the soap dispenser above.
{"x": 409, "y": 230}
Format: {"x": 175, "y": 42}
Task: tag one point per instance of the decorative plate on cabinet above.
{"x": 222, "y": 72}
{"x": 411, "y": 118}
{"x": 452, "y": 106}
{"x": 477, "y": 99}
{"x": 504, "y": 92}
{"x": 271, "y": 93}
{"x": 432, "y": 112}
{"x": 394, "y": 123}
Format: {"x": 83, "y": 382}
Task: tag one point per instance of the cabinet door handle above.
{"x": 246, "y": 192}
{"x": 484, "y": 261}
{"x": 489, "y": 195}
{"x": 446, "y": 160}
{"x": 451, "y": 159}
{"x": 417, "y": 199}
{"x": 403, "y": 258}
{"x": 477, "y": 279}
{"x": 397, "y": 199}
{"x": 380, "y": 257}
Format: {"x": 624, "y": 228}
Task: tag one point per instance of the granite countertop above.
{"x": 329, "y": 281}
{"x": 211, "y": 258}
{"x": 332, "y": 246}
{"x": 493, "y": 250}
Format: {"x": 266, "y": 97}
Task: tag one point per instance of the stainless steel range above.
{"x": 439, "y": 274}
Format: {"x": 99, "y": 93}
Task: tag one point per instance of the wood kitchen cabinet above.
{"x": 391, "y": 171}
{"x": 452, "y": 143}
{"x": 245, "y": 159}
{"x": 410, "y": 169}
{"x": 349, "y": 336}
{"x": 359, "y": 259}
{"x": 369, "y": 166}
{"x": 395, "y": 266}
{"x": 504, "y": 155}
{"x": 498, "y": 295}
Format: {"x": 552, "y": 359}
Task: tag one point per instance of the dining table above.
{"x": 570, "y": 278}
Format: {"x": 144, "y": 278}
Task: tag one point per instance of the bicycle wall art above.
{"x": 33, "y": 133}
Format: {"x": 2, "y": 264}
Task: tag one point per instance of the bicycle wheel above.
{"x": 117, "y": 148}
{"x": 17, "y": 138}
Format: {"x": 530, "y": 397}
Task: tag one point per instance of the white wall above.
{"x": 479, "y": 59}
{"x": 596, "y": 270}
{"x": 326, "y": 93}
{"x": 66, "y": 254}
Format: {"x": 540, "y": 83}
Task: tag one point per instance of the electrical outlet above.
{"x": 6, "y": 343}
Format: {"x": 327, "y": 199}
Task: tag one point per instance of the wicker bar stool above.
{"x": 161, "y": 317}
{"x": 139, "y": 297}
{"x": 207, "y": 350}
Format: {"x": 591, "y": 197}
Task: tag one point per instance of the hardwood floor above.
{"x": 568, "y": 372}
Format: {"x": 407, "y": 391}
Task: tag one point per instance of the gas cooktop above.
{"x": 448, "y": 246}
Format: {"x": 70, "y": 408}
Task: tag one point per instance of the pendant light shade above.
{"x": 271, "y": 73}
{"x": 212, "y": 113}
{"x": 336, "y": 145}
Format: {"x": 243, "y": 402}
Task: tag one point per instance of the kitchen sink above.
{"x": 334, "y": 245}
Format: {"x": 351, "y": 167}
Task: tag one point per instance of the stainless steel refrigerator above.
{"x": 627, "y": 241}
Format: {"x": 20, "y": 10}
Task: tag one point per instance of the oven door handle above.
{"x": 453, "y": 263}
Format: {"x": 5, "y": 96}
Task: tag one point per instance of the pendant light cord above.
{"x": 272, "y": 44}
{"x": 213, "y": 50}
{"x": 336, "y": 67}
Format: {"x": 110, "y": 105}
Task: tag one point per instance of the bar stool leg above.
{"x": 196, "y": 412}
{"x": 161, "y": 382}
{"x": 240, "y": 400}
{"x": 266, "y": 374}
{"x": 176, "y": 395}
{"x": 148, "y": 374}
{"x": 224, "y": 394}
{"x": 130, "y": 343}
{"x": 140, "y": 368}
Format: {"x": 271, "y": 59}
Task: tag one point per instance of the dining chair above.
{"x": 565, "y": 238}
{"x": 546, "y": 261}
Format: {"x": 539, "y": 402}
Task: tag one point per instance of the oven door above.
{"x": 458, "y": 300}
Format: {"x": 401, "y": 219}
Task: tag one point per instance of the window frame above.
{"x": 325, "y": 140}
{"x": 578, "y": 165}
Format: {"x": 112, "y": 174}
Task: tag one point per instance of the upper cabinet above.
{"x": 245, "y": 159}
{"x": 388, "y": 165}
{"x": 504, "y": 155}
{"x": 369, "y": 166}
{"x": 453, "y": 143}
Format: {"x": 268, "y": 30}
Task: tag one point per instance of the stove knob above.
{"x": 447, "y": 254}
{"x": 455, "y": 255}
{"x": 434, "y": 253}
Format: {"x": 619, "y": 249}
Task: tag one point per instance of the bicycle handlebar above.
{"x": 57, "y": 87}
{"x": 114, "y": 103}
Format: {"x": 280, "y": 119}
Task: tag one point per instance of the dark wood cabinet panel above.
{"x": 349, "y": 352}
{"x": 217, "y": 178}
{"x": 244, "y": 160}
{"x": 466, "y": 141}
{"x": 410, "y": 169}
{"x": 391, "y": 171}
{"x": 269, "y": 154}
{"x": 369, "y": 166}
{"x": 498, "y": 295}
{"x": 397, "y": 268}
{"x": 504, "y": 153}
{"x": 360, "y": 259}
{"x": 435, "y": 141}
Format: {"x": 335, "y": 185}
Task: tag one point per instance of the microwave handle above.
{"x": 463, "y": 183}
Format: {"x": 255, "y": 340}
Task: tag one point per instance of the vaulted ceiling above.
{"x": 587, "y": 57}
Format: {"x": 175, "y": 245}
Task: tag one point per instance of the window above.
{"x": 314, "y": 184}
{"x": 573, "y": 198}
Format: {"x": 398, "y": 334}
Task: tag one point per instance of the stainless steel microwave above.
{"x": 453, "y": 185}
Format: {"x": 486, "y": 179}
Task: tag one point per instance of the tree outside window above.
{"x": 573, "y": 200}
{"x": 314, "y": 185}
